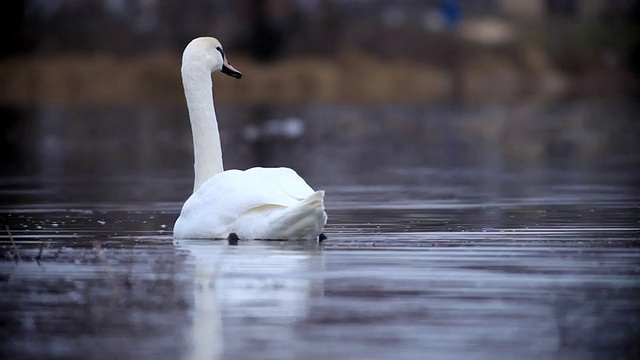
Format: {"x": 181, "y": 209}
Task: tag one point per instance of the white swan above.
{"x": 258, "y": 203}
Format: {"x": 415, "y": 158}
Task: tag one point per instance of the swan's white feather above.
{"x": 258, "y": 203}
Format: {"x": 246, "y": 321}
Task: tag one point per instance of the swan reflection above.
{"x": 251, "y": 294}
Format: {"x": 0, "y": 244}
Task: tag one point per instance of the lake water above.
{"x": 454, "y": 233}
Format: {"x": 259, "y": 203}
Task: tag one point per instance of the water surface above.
{"x": 453, "y": 233}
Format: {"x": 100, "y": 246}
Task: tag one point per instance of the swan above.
{"x": 258, "y": 203}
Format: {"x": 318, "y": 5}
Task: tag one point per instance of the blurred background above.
{"x": 482, "y": 158}
{"x": 93, "y": 86}
{"x": 321, "y": 51}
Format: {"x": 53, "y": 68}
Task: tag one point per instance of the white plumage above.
{"x": 258, "y": 203}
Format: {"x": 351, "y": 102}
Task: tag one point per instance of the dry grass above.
{"x": 351, "y": 77}
{"x": 16, "y": 252}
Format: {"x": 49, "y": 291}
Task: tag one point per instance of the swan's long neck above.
{"x": 207, "y": 150}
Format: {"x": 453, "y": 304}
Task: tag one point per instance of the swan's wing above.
{"x": 243, "y": 190}
{"x": 283, "y": 181}
{"x": 227, "y": 196}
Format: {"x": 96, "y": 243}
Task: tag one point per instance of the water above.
{"x": 453, "y": 233}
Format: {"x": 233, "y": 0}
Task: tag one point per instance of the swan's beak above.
{"x": 230, "y": 70}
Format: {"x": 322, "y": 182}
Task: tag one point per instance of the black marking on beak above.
{"x": 231, "y": 71}
{"x": 226, "y": 67}
{"x": 221, "y": 51}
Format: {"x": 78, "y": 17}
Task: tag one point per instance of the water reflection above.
{"x": 260, "y": 290}
{"x": 454, "y": 232}
{"x": 492, "y": 302}
{"x": 88, "y": 297}
{"x": 528, "y": 142}
{"x": 206, "y": 329}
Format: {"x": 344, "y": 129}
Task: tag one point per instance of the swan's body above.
{"x": 258, "y": 203}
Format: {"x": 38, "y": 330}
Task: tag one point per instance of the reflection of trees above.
{"x": 116, "y": 299}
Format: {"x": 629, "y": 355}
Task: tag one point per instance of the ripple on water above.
{"x": 493, "y": 259}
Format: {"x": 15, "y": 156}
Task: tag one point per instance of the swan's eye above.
{"x": 221, "y": 52}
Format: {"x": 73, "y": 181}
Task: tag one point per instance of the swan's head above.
{"x": 208, "y": 52}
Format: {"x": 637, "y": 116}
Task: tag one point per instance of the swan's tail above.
{"x": 314, "y": 200}
{"x": 304, "y": 220}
